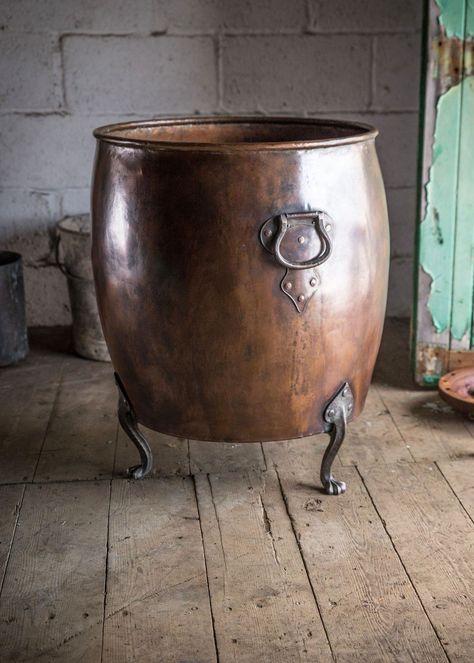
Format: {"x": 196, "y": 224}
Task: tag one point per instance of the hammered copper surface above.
{"x": 203, "y": 338}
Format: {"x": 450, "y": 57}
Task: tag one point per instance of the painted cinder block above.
{"x": 29, "y": 72}
{"x": 75, "y": 201}
{"x": 400, "y": 288}
{"x": 20, "y": 209}
{"x": 365, "y": 15}
{"x": 402, "y": 214}
{"x": 140, "y": 74}
{"x": 26, "y": 222}
{"x": 47, "y": 152}
{"x": 397, "y": 147}
{"x": 397, "y": 72}
{"x": 296, "y": 74}
{"x": 101, "y": 16}
{"x": 47, "y": 298}
{"x": 204, "y": 16}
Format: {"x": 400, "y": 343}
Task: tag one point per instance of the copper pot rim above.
{"x": 111, "y": 133}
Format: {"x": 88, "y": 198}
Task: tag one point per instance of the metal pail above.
{"x": 73, "y": 251}
{"x": 13, "y": 333}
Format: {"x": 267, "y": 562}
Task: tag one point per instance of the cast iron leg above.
{"x": 336, "y": 414}
{"x": 129, "y": 423}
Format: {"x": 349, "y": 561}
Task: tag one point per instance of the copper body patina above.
{"x": 241, "y": 273}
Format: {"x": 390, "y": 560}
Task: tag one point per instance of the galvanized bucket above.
{"x": 13, "y": 333}
{"x": 73, "y": 251}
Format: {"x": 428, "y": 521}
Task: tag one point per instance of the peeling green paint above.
{"x": 437, "y": 227}
{"x": 452, "y": 17}
{"x": 463, "y": 269}
{"x": 446, "y": 233}
{"x": 447, "y": 230}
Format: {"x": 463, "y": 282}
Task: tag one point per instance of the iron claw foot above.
{"x": 137, "y": 472}
{"x": 336, "y": 414}
{"x": 129, "y": 423}
{"x": 334, "y": 487}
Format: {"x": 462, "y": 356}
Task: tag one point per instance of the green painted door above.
{"x": 443, "y": 332}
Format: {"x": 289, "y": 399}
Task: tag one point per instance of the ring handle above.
{"x": 286, "y": 221}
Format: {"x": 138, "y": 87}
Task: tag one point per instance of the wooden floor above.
{"x": 231, "y": 552}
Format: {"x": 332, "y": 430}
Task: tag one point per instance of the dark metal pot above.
{"x": 241, "y": 271}
{"x": 13, "y": 333}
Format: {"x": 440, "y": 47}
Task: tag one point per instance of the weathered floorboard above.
{"x": 273, "y": 569}
{"x": 157, "y": 606}
{"x": 368, "y": 604}
{"x": 216, "y": 457}
{"x": 10, "y": 500}
{"x": 430, "y": 428}
{"x": 263, "y": 606}
{"x": 82, "y": 434}
{"x": 373, "y": 438}
{"x": 435, "y": 540}
{"x": 460, "y": 476}
{"x": 51, "y": 606}
{"x": 26, "y": 407}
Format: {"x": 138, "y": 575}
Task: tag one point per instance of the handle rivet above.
{"x": 312, "y": 282}
{"x": 268, "y": 232}
{"x": 301, "y": 298}
{"x": 331, "y": 413}
{"x": 288, "y": 285}
{"x": 301, "y": 239}
{"x": 328, "y": 226}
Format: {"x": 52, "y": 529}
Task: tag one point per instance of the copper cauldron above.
{"x": 241, "y": 273}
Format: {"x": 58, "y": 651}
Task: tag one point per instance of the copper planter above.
{"x": 241, "y": 272}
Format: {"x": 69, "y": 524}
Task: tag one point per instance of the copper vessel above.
{"x": 241, "y": 272}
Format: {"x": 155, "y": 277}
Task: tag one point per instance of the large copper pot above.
{"x": 241, "y": 273}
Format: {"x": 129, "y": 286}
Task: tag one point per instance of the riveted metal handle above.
{"x": 272, "y": 237}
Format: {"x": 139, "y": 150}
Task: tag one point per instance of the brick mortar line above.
{"x": 73, "y": 113}
{"x": 243, "y": 32}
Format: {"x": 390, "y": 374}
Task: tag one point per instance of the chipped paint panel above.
{"x": 431, "y": 361}
{"x": 463, "y": 269}
{"x": 440, "y": 240}
{"x": 437, "y": 228}
{"x": 454, "y": 61}
{"x": 453, "y": 15}
{"x": 444, "y": 320}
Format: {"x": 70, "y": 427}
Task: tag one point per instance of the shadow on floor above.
{"x": 393, "y": 365}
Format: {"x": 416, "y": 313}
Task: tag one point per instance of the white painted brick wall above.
{"x": 396, "y": 72}
{"x": 291, "y": 73}
{"x": 365, "y": 16}
{"x": 138, "y": 74}
{"x": 209, "y": 16}
{"x": 85, "y": 16}
{"x": 29, "y": 72}
{"x": 67, "y": 66}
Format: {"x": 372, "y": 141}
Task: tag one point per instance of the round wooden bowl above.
{"x": 457, "y": 389}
